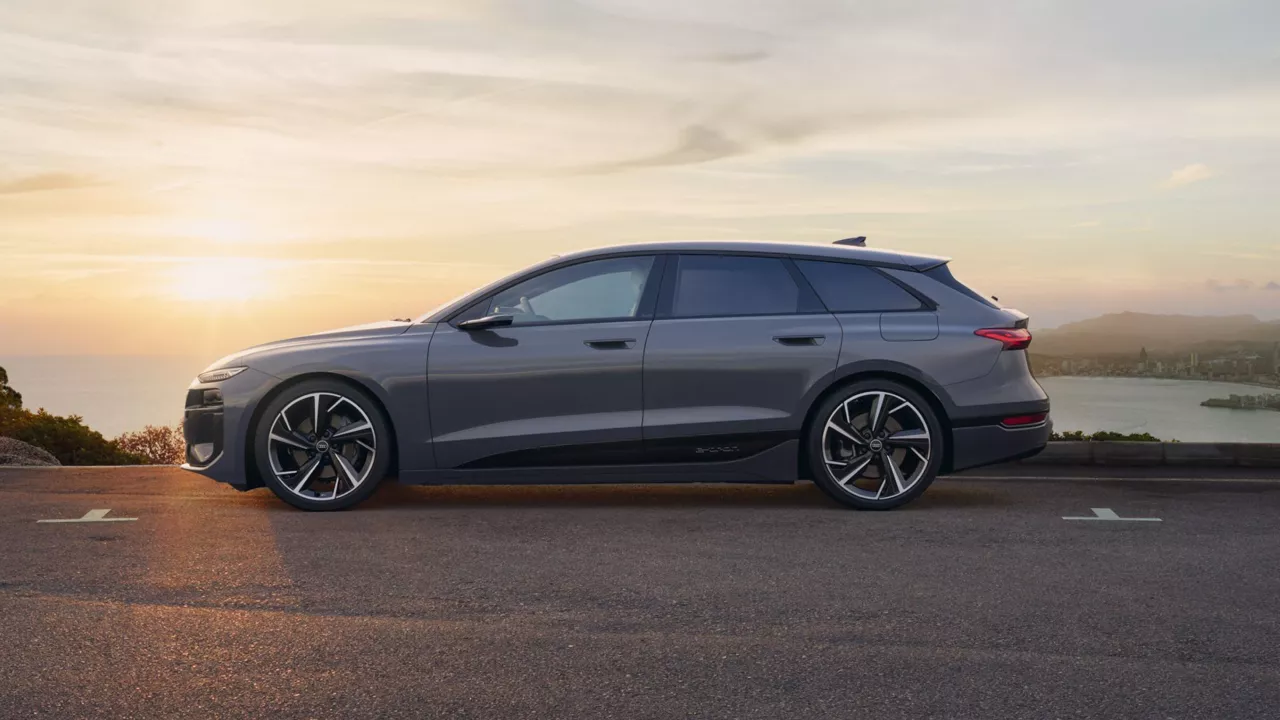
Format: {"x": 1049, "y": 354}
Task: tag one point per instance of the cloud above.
{"x": 1187, "y": 175}
{"x": 1219, "y": 286}
{"x": 734, "y": 58}
{"x": 697, "y": 144}
{"x": 46, "y": 181}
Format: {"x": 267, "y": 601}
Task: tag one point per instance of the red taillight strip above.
{"x": 1020, "y": 420}
{"x": 1011, "y": 338}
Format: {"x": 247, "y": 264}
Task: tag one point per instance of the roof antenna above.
{"x": 860, "y": 241}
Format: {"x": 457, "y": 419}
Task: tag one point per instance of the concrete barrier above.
{"x": 1148, "y": 454}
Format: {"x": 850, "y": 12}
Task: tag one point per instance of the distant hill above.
{"x": 1128, "y": 332}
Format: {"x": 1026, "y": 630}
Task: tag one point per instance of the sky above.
{"x": 196, "y": 176}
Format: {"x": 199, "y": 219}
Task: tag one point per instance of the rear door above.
{"x": 560, "y": 385}
{"x": 737, "y": 342}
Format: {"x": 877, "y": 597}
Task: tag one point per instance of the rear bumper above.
{"x": 980, "y": 445}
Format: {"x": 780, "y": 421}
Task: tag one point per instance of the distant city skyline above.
{"x": 195, "y": 177}
{"x": 1230, "y": 364}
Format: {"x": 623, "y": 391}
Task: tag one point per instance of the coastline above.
{"x": 1250, "y": 383}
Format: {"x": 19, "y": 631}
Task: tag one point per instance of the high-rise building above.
{"x": 1142, "y": 360}
{"x": 1275, "y": 358}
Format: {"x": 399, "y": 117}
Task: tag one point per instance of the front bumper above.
{"x": 989, "y": 444}
{"x": 215, "y": 432}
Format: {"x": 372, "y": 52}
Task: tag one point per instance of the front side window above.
{"x": 591, "y": 291}
{"x": 845, "y": 287}
{"x": 727, "y": 285}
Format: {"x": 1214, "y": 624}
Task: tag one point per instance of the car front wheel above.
{"x": 875, "y": 445}
{"x": 322, "y": 445}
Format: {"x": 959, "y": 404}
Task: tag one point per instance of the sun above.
{"x": 221, "y": 279}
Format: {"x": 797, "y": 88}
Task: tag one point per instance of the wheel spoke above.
{"x": 891, "y": 469}
{"x": 320, "y": 417}
{"x": 306, "y": 471}
{"x": 344, "y": 470}
{"x": 855, "y": 468}
{"x": 288, "y": 437}
{"x": 909, "y": 438}
{"x": 359, "y": 428}
{"x": 878, "y": 414}
{"x": 847, "y": 434}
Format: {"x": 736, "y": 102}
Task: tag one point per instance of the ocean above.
{"x": 118, "y": 393}
{"x": 1168, "y": 409}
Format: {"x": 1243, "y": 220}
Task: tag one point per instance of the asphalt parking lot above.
{"x": 979, "y": 600}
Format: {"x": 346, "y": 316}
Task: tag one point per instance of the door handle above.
{"x": 795, "y": 340}
{"x": 611, "y": 344}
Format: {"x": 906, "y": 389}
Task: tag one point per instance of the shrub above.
{"x": 66, "y": 438}
{"x": 1103, "y": 435}
{"x": 159, "y": 444}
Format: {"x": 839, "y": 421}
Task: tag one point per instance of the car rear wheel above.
{"x": 875, "y": 445}
{"x": 322, "y": 445}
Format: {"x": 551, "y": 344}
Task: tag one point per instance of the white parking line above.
{"x": 1109, "y": 514}
{"x": 91, "y": 516}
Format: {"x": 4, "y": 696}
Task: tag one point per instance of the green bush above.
{"x": 66, "y": 438}
{"x": 1104, "y": 435}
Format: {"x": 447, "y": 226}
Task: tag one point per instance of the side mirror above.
{"x": 486, "y": 322}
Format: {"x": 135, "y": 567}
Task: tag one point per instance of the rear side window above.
{"x": 855, "y": 288}
{"x": 942, "y": 274}
{"x": 726, "y": 285}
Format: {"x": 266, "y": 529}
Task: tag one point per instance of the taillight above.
{"x": 1011, "y": 338}
{"x": 1021, "y": 420}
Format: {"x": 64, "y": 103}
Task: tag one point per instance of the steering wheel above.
{"x": 522, "y": 310}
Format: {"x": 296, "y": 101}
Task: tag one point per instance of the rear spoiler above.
{"x": 925, "y": 263}
{"x": 919, "y": 263}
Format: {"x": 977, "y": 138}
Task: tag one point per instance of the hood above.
{"x": 354, "y": 332}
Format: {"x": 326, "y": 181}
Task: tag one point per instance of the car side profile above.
{"x": 870, "y": 372}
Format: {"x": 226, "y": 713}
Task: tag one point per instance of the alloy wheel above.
{"x": 876, "y": 445}
{"x": 322, "y": 446}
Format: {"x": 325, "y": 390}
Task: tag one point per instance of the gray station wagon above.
{"x": 870, "y": 372}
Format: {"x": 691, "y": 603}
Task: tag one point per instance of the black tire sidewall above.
{"x": 381, "y": 463}
{"x": 813, "y": 444}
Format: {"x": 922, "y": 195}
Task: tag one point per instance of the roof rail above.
{"x": 860, "y": 241}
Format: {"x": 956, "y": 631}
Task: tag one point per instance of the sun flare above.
{"x": 233, "y": 279}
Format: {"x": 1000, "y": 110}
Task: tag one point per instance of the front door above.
{"x": 560, "y": 385}
{"x": 737, "y": 343}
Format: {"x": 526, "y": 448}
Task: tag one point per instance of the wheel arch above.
{"x": 254, "y": 479}
{"x": 901, "y": 375}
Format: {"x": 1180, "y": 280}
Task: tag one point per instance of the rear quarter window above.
{"x": 844, "y": 287}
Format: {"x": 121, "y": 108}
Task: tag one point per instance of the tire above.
{"x": 849, "y": 465}
{"x": 335, "y": 468}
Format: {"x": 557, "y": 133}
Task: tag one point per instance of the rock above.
{"x": 16, "y": 452}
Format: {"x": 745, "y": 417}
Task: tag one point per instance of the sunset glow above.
{"x": 358, "y": 161}
{"x": 229, "y": 279}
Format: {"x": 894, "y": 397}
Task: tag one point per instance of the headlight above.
{"x": 219, "y": 375}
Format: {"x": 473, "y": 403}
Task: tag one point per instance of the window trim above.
{"x": 665, "y": 309}
{"x": 926, "y": 303}
{"x": 644, "y": 312}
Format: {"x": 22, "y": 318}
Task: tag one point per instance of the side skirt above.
{"x": 777, "y": 464}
